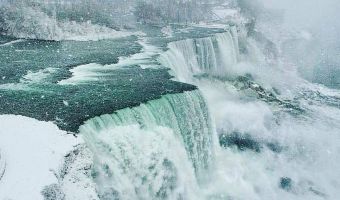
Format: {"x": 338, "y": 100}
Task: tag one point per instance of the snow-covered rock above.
{"x": 31, "y": 153}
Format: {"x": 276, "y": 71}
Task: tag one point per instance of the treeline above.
{"x": 120, "y": 13}
{"x": 109, "y": 13}
{"x": 171, "y": 11}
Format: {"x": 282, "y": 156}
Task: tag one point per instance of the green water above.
{"x": 30, "y": 72}
{"x": 32, "y": 55}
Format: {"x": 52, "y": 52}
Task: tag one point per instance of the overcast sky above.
{"x": 322, "y": 16}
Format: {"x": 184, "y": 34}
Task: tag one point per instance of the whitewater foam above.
{"x": 38, "y": 76}
{"x": 94, "y": 72}
{"x": 309, "y": 141}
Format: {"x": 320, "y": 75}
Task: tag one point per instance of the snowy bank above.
{"x": 30, "y": 151}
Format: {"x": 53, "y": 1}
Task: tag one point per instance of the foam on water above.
{"x": 302, "y": 165}
{"x": 39, "y": 76}
{"x": 95, "y": 72}
{"x": 152, "y": 163}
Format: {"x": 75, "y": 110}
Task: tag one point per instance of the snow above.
{"x": 225, "y": 13}
{"x": 167, "y": 32}
{"x": 87, "y": 32}
{"x": 31, "y": 151}
{"x": 75, "y": 176}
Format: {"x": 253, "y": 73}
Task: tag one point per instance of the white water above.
{"x": 162, "y": 149}
{"x": 95, "y": 72}
{"x": 310, "y": 141}
{"x": 143, "y": 164}
{"x": 38, "y": 76}
{"x": 206, "y": 55}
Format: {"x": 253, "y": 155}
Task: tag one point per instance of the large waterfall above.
{"x": 161, "y": 149}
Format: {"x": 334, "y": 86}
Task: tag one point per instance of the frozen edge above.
{"x": 2, "y": 166}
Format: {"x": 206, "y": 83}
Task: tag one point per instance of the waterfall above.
{"x": 164, "y": 149}
{"x": 303, "y": 169}
{"x": 213, "y": 55}
{"x": 161, "y": 149}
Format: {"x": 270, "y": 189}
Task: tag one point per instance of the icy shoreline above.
{"x": 32, "y": 152}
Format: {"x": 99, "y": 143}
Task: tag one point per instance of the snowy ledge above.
{"x": 31, "y": 152}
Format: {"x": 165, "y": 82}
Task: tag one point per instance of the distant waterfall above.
{"x": 212, "y": 55}
{"x": 155, "y": 151}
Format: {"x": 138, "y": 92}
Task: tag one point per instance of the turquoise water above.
{"x": 198, "y": 113}
{"x": 33, "y": 71}
{"x": 26, "y": 56}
